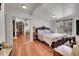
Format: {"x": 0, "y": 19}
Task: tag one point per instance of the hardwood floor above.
{"x": 23, "y": 47}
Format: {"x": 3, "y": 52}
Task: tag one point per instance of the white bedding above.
{"x": 49, "y": 37}
{"x": 64, "y": 50}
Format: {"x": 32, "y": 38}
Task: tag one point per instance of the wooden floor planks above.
{"x": 23, "y": 47}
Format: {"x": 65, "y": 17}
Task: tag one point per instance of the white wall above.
{"x": 40, "y": 22}
{"x": 9, "y": 30}
{"x": 27, "y": 28}
{"x": 2, "y": 24}
{"x": 74, "y": 26}
{"x": 53, "y": 25}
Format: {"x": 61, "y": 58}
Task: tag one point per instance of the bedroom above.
{"x": 55, "y": 15}
{"x": 57, "y": 18}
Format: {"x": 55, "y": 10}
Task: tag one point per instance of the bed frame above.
{"x": 64, "y": 40}
{"x": 41, "y": 28}
{"x": 59, "y": 42}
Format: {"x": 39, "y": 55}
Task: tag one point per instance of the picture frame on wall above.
{"x": 65, "y": 26}
{"x": 77, "y": 27}
{"x": 0, "y": 6}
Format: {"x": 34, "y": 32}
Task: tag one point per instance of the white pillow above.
{"x": 47, "y": 31}
{"x": 40, "y": 31}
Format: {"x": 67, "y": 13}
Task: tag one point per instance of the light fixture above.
{"x": 24, "y": 6}
{"x": 53, "y": 16}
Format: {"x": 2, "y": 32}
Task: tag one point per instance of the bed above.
{"x": 48, "y": 36}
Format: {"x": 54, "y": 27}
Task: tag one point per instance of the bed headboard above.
{"x": 42, "y": 28}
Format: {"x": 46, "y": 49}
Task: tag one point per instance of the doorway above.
{"x": 21, "y": 26}
{"x": 13, "y": 28}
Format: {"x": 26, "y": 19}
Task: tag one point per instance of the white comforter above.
{"x": 50, "y": 37}
{"x": 64, "y": 50}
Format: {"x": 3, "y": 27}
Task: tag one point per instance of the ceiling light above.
{"x": 53, "y": 16}
{"x": 24, "y": 6}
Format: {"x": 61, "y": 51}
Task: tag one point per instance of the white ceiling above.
{"x": 60, "y": 10}
{"x": 17, "y": 7}
{"x": 46, "y": 10}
